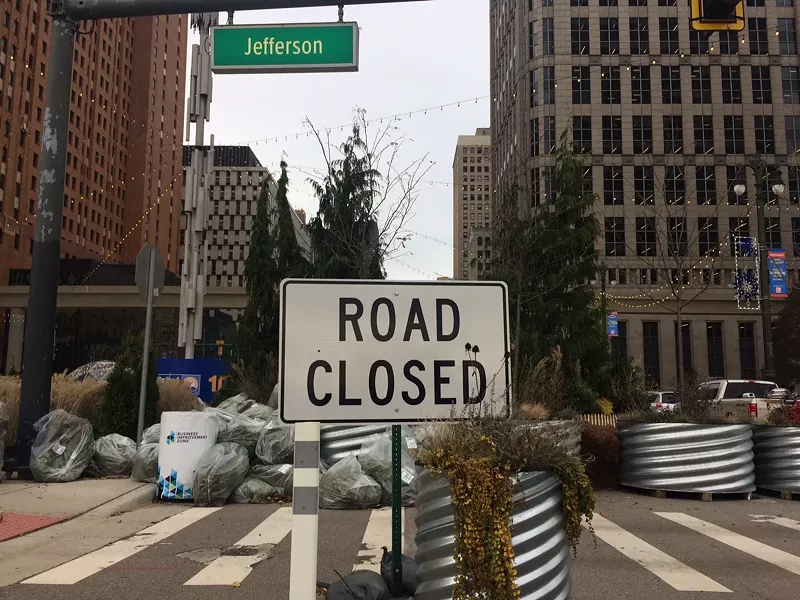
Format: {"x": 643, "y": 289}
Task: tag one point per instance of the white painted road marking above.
{"x": 227, "y": 570}
{"x": 377, "y": 535}
{"x": 782, "y": 521}
{"x": 94, "y": 562}
{"x": 776, "y": 557}
{"x": 671, "y": 571}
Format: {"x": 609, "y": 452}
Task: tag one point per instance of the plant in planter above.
{"x": 776, "y": 446}
{"x": 693, "y": 448}
{"x": 514, "y": 492}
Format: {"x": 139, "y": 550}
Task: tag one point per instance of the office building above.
{"x": 472, "y": 200}
{"x": 666, "y": 118}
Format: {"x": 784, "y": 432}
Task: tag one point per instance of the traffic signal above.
{"x": 717, "y": 15}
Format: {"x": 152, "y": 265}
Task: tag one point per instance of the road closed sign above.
{"x": 392, "y": 352}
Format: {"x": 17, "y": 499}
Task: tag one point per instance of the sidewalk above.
{"x": 26, "y": 506}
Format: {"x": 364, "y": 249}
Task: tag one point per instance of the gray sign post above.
{"x": 150, "y": 282}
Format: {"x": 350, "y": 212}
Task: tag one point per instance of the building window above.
{"x": 536, "y": 183}
{"x": 738, "y": 227}
{"x": 533, "y": 39}
{"x": 703, "y": 134}
{"x": 757, "y": 30}
{"x": 793, "y": 189}
{"x": 792, "y": 124}
{"x": 731, "y": 85}
{"x": 673, "y": 134}
{"x": 716, "y": 354}
{"x": 651, "y": 353}
{"x": 668, "y": 34}
{"x": 674, "y": 186}
{"x": 686, "y": 339}
{"x": 609, "y": 36}
{"x": 747, "y": 350}
{"x": 581, "y": 85}
{"x": 706, "y": 185}
{"x": 734, "y": 134}
{"x": 615, "y": 236}
{"x": 549, "y": 184}
{"x": 640, "y": 85}
{"x": 787, "y": 37}
{"x": 773, "y": 231}
{"x": 582, "y": 134}
{"x": 708, "y": 236}
{"x": 619, "y": 344}
{"x": 671, "y": 85}
{"x": 640, "y": 40}
{"x": 534, "y": 91}
{"x": 677, "y": 236}
{"x": 728, "y": 42}
{"x": 790, "y": 80}
{"x": 548, "y": 37}
{"x": 610, "y": 85}
{"x": 796, "y": 236}
{"x": 549, "y": 81}
{"x": 645, "y": 236}
{"x": 612, "y": 135}
{"x": 762, "y": 88}
{"x": 644, "y": 185}
{"x": 642, "y": 134}
{"x": 549, "y": 134}
{"x": 535, "y": 137}
{"x": 698, "y": 42}
{"x": 613, "y": 193}
{"x": 765, "y": 134}
{"x": 701, "y": 85}
{"x": 731, "y": 175}
{"x": 580, "y": 36}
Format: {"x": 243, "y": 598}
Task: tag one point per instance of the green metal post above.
{"x": 397, "y": 513}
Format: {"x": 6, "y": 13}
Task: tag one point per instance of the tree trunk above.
{"x": 515, "y": 366}
{"x": 679, "y": 341}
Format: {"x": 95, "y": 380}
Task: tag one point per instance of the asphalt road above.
{"x": 647, "y": 549}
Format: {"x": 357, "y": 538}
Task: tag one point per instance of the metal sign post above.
{"x": 397, "y": 512}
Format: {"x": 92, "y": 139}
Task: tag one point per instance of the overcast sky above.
{"x": 413, "y": 55}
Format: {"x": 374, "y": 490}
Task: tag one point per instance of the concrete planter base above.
{"x": 685, "y": 457}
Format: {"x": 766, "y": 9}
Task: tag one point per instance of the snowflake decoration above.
{"x": 746, "y": 246}
{"x": 746, "y": 284}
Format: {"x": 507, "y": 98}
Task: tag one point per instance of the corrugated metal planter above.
{"x": 543, "y": 559}
{"x": 686, "y": 457}
{"x": 340, "y": 441}
{"x": 777, "y": 458}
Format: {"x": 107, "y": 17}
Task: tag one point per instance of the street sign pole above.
{"x": 153, "y": 257}
{"x": 305, "y": 513}
{"x": 397, "y": 513}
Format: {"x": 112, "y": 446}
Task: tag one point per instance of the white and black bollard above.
{"x": 305, "y": 513}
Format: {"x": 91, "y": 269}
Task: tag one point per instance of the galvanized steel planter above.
{"x": 541, "y": 548}
{"x": 685, "y": 457}
{"x": 777, "y": 458}
{"x": 340, "y": 441}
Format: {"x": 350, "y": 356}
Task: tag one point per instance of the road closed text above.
{"x": 406, "y": 352}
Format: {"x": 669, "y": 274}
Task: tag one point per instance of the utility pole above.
{"x": 763, "y": 173}
{"x": 43, "y": 294}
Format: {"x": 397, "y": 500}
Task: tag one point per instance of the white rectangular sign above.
{"x": 392, "y": 351}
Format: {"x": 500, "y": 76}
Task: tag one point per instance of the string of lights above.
{"x": 407, "y": 266}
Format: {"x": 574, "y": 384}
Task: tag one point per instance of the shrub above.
{"x": 605, "y": 406}
{"x": 532, "y": 412}
{"x": 81, "y": 398}
{"x": 601, "y": 443}
{"x": 542, "y": 382}
{"x": 254, "y": 382}
{"x": 120, "y": 412}
{"x": 628, "y": 388}
{"x": 175, "y": 395}
{"x": 786, "y": 415}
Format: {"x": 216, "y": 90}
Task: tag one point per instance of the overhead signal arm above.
{"x": 717, "y": 15}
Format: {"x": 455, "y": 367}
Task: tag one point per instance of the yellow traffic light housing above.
{"x": 717, "y": 15}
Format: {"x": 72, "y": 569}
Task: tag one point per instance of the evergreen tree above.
{"x": 274, "y": 256}
{"x": 546, "y": 256}
{"x": 346, "y": 242}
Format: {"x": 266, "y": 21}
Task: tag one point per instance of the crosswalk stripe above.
{"x": 776, "y": 557}
{"x": 227, "y": 570}
{"x": 670, "y": 570}
{"x": 377, "y": 534}
{"x": 782, "y": 521}
{"x": 94, "y": 562}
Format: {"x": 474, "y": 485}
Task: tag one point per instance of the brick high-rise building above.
{"x": 666, "y": 117}
{"x": 124, "y": 141}
{"x": 472, "y": 202}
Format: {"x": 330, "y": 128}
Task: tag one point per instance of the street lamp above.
{"x": 763, "y": 172}
{"x": 602, "y": 282}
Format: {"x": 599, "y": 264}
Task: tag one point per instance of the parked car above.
{"x": 744, "y": 396}
{"x": 664, "y": 400}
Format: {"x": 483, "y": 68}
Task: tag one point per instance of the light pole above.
{"x": 603, "y": 302}
{"x": 764, "y": 173}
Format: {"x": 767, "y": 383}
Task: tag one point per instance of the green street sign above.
{"x": 290, "y": 48}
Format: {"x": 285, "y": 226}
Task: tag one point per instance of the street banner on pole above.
{"x": 612, "y": 324}
{"x": 778, "y": 278}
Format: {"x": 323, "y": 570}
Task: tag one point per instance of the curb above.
{"x": 136, "y": 498}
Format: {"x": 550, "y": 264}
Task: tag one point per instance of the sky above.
{"x": 413, "y": 56}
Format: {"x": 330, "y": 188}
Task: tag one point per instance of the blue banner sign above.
{"x": 204, "y": 376}
{"x": 612, "y": 324}
{"x": 778, "y": 280}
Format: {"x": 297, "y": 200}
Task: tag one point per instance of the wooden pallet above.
{"x": 704, "y": 496}
{"x": 781, "y": 495}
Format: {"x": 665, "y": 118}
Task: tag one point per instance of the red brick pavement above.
{"x": 16, "y": 524}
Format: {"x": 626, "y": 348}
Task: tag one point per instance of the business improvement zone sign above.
{"x": 392, "y": 352}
